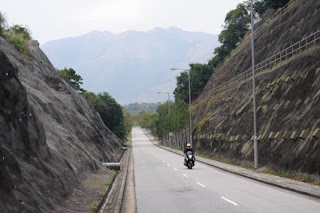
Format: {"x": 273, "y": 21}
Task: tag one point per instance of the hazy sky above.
{"x": 54, "y": 19}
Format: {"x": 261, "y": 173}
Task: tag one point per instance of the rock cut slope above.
{"x": 50, "y": 137}
{"x": 287, "y": 91}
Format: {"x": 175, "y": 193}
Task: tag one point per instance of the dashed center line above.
{"x": 230, "y": 201}
{"x": 163, "y": 161}
{"x": 175, "y": 169}
{"x": 185, "y": 175}
{"x": 168, "y": 165}
{"x": 201, "y": 184}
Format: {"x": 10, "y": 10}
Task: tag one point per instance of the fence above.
{"x": 246, "y": 39}
{"x": 290, "y": 51}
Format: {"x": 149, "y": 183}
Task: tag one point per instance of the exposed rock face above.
{"x": 288, "y": 99}
{"x": 49, "y": 135}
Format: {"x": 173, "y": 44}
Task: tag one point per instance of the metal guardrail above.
{"x": 290, "y": 51}
{"x": 246, "y": 39}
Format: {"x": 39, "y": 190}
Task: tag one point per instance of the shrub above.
{"x": 16, "y": 35}
{"x": 18, "y": 41}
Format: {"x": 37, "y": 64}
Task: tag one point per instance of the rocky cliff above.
{"x": 50, "y": 137}
{"x": 287, "y": 90}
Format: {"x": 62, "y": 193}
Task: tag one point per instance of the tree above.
{"x": 70, "y": 76}
{"x": 263, "y": 5}
{"x": 275, "y": 4}
{"x": 199, "y": 76}
{"x": 236, "y": 25}
{"x": 110, "y": 111}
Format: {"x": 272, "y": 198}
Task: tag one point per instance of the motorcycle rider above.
{"x": 187, "y": 149}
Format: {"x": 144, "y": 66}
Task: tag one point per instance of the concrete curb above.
{"x": 118, "y": 206}
{"x": 116, "y": 178}
{"x": 310, "y": 193}
{"x": 107, "y": 193}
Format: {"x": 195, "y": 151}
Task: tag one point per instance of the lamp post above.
{"x": 190, "y": 122}
{"x": 255, "y": 143}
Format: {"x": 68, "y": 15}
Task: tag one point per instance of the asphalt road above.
{"x": 164, "y": 184}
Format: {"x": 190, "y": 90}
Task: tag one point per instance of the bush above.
{"x": 16, "y": 35}
{"x": 22, "y": 31}
{"x": 18, "y": 42}
{"x": 72, "y": 78}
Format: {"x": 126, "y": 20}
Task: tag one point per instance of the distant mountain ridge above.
{"x": 131, "y": 66}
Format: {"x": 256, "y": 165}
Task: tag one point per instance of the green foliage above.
{"x": 72, "y": 78}
{"x": 275, "y": 4}
{"x": 18, "y": 42}
{"x": 263, "y": 5}
{"x": 199, "y": 76}
{"x": 236, "y": 25}
{"x": 161, "y": 122}
{"x": 24, "y": 32}
{"x": 111, "y": 113}
{"x": 136, "y": 108}
{"x": 18, "y": 36}
{"x": 128, "y": 122}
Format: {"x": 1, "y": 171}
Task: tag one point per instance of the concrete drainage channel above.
{"x": 113, "y": 199}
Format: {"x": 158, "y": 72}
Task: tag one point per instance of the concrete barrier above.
{"x": 244, "y": 138}
{"x": 286, "y": 135}
{"x": 112, "y": 166}
{"x": 271, "y": 135}
{"x": 316, "y": 133}
{"x": 277, "y": 136}
{"x": 304, "y": 134}
{"x": 294, "y": 135}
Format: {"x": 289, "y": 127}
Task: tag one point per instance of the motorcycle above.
{"x": 189, "y": 160}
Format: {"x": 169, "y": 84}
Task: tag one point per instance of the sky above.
{"x": 55, "y": 19}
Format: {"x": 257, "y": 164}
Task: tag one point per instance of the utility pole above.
{"x": 255, "y": 145}
{"x": 190, "y": 117}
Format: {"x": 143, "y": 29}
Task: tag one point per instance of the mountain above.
{"x": 131, "y": 66}
{"x": 136, "y": 108}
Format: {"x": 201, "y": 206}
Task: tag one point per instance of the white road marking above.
{"x": 201, "y": 184}
{"x": 163, "y": 161}
{"x": 175, "y": 169}
{"x": 230, "y": 201}
{"x": 168, "y": 165}
{"x": 185, "y": 175}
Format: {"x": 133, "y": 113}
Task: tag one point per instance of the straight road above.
{"x": 164, "y": 184}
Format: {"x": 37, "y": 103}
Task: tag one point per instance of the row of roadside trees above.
{"x": 236, "y": 25}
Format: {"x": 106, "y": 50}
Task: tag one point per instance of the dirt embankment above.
{"x": 288, "y": 99}
{"x": 50, "y": 137}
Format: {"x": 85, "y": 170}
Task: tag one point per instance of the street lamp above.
{"x": 190, "y": 122}
{"x": 255, "y": 143}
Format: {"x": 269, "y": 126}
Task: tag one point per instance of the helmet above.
{"x": 188, "y": 145}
